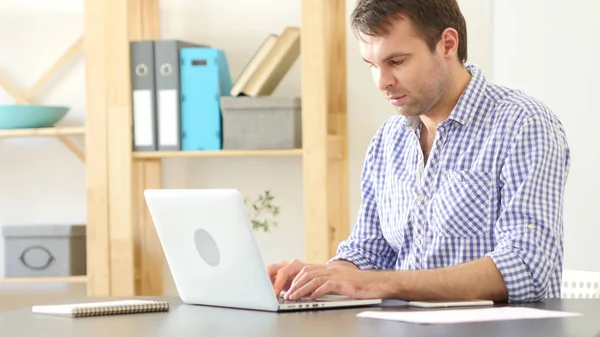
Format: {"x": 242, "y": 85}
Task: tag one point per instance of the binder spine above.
{"x": 143, "y": 96}
{"x": 166, "y": 54}
{"x": 204, "y": 79}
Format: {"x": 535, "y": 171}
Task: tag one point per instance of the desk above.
{"x": 189, "y": 320}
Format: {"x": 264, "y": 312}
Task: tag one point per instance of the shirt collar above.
{"x": 466, "y": 108}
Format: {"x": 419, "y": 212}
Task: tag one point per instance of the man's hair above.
{"x": 429, "y": 17}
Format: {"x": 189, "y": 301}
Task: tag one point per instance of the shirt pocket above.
{"x": 462, "y": 206}
{"x": 394, "y": 206}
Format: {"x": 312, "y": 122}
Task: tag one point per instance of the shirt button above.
{"x": 531, "y": 226}
{"x": 418, "y": 242}
{"x": 420, "y": 197}
{"x": 456, "y": 124}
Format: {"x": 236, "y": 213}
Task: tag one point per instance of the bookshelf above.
{"x": 66, "y": 279}
{"x": 43, "y": 132}
{"x": 223, "y": 153}
{"x": 124, "y": 254}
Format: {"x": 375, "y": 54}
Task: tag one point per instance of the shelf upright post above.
{"x": 325, "y": 141}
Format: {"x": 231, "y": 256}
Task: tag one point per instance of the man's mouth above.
{"x": 398, "y": 100}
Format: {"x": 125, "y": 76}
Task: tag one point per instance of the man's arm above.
{"x": 472, "y": 280}
{"x": 343, "y": 263}
{"x": 478, "y": 279}
{"x": 366, "y": 247}
{"x": 530, "y": 227}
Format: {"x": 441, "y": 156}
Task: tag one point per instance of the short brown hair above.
{"x": 430, "y": 18}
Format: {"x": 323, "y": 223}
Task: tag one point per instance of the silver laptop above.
{"x": 210, "y": 249}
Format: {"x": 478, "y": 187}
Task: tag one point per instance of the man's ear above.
{"x": 449, "y": 41}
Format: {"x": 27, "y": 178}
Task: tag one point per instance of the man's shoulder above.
{"x": 514, "y": 104}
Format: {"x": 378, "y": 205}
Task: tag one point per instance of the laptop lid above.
{"x": 210, "y": 248}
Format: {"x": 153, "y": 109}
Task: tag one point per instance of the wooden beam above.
{"x": 43, "y": 132}
{"x": 150, "y": 258}
{"x": 118, "y": 123}
{"x": 50, "y": 279}
{"x": 120, "y": 244}
{"x": 12, "y": 90}
{"x": 218, "y": 153}
{"x": 150, "y": 20}
{"x": 72, "y": 147}
{"x": 325, "y": 163}
{"x": 98, "y": 244}
{"x": 67, "y": 55}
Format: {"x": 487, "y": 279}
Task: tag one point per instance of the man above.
{"x": 462, "y": 190}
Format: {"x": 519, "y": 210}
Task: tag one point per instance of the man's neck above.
{"x": 442, "y": 110}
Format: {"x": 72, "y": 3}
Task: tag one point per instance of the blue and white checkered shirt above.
{"x": 493, "y": 186}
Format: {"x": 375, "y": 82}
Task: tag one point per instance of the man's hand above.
{"x": 316, "y": 281}
{"x": 282, "y": 274}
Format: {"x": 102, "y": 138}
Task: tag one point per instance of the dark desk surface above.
{"x": 189, "y": 320}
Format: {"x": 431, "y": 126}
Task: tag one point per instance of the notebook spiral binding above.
{"x": 122, "y": 309}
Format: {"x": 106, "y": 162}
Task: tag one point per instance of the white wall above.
{"x": 549, "y": 49}
{"x": 224, "y": 24}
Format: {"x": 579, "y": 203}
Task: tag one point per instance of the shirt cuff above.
{"x": 516, "y": 275}
{"x": 360, "y": 261}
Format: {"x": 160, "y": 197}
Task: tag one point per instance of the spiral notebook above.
{"x": 102, "y": 308}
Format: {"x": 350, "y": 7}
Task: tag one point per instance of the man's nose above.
{"x": 385, "y": 80}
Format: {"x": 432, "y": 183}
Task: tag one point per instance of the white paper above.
{"x": 465, "y": 315}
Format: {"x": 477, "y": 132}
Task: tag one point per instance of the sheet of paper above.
{"x": 465, "y": 315}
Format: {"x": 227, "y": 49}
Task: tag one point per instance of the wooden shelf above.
{"x": 43, "y": 132}
{"x": 66, "y": 279}
{"x": 124, "y": 253}
{"x": 222, "y": 153}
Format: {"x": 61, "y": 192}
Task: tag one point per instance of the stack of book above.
{"x": 177, "y": 87}
{"x": 269, "y": 64}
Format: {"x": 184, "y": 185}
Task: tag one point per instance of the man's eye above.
{"x": 397, "y": 63}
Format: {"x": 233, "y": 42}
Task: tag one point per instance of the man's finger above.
{"x": 280, "y": 280}
{"x": 301, "y": 274}
{"x": 274, "y": 268}
{"x": 307, "y": 269}
{"x": 324, "y": 289}
{"x": 308, "y": 288}
{"x": 301, "y": 281}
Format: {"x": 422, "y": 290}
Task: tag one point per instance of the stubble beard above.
{"x": 433, "y": 92}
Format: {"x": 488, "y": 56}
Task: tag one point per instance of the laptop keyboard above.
{"x": 282, "y": 300}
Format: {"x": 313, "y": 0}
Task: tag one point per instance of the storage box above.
{"x": 263, "y": 122}
{"x": 44, "y": 250}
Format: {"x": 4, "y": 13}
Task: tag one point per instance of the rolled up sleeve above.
{"x": 529, "y": 228}
{"x": 366, "y": 247}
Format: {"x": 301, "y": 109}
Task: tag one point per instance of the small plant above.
{"x": 262, "y": 212}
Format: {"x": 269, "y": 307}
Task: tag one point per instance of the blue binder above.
{"x": 205, "y": 78}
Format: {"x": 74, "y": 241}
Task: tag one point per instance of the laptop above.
{"x": 210, "y": 249}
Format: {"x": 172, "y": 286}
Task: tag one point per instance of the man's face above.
{"x": 412, "y": 78}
